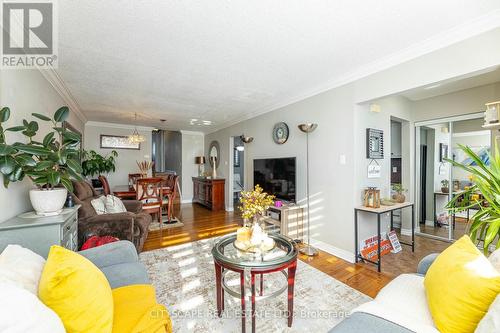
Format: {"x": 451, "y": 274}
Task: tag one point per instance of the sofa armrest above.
{"x": 110, "y": 254}
{"x": 133, "y": 206}
{"x": 119, "y": 225}
{"x": 425, "y": 263}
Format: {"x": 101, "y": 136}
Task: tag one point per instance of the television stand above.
{"x": 288, "y": 220}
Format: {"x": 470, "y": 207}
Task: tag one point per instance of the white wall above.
{"x": 25, "y": 92}
{"x": 343, "y": 118}
{"x": 391, "y": 107}
{"x": 192, "y": 146}
{"x": 126, "y": 162}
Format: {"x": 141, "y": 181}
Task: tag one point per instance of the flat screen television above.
{"x": 277, "y": 176}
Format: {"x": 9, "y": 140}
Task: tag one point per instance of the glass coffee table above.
{"x": 282, "y": 258}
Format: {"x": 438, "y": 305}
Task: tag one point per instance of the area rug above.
{"x": 184, "y": 279}
{"x": 174, "y": 223}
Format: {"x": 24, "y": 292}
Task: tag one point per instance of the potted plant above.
{"x": 94, "y": 164}
{"x": 255, "y": 203}
{"x": 484, "y": 226}
{"x": 51, "y": 164}
{"x": 398, "y": 196}
{"x": 445, "y": 186}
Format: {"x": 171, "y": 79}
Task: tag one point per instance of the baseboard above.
{"x": 341, "y": 253}
{"x": 186, "y": 201}
{"x": 229, "y": 209}
{"x": 406, "y": 232}
{"x": 429, "y": 223}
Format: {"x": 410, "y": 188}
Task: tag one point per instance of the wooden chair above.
{"x": 169, "y": 197}
{"x": 149, "y": 192}
{"x": 105, "y": 185}
{"x": 132, "y": 178}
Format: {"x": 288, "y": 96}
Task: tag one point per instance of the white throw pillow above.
{"x": 22, "y": 267}
{"x": 491, "y": 320}
{"x": 114, "y": 205}
{"x": 21, "y": 311}
{"x": 494, "y": 258}
{"x": 99, "y": 205}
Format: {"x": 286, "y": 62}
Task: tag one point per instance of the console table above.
{"x": 209, "y": 192}
{"x": 39, "y": 233}
{"x": 379, "y": 211}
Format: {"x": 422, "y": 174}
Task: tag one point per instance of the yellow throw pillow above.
{"x": 460, "y": 286}
{"x": 77, "y": 291}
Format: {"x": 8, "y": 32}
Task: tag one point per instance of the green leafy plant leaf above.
{"x": 6, "y": 150}
{"x": 47, "y": 140}
{"x": 54, "y": 178}
{"x": 44, "y": 165}
{"x": 74, "y": 165}
{"x": 34, "y": 150}
{"x": 4, "y": 114}
{"x": 41, "y": 116}
{"x": 16, "y": 129}
{"x": 26, "y": 160}
{"x": 7, "y": 164}
{"x": 61, "y": 114}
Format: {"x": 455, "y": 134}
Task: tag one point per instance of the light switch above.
{"x": 342, "y": 159}
{"x": 394, "y": 169}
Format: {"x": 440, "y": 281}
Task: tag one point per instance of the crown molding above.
{"x": 115, "y": 125}
{"x": 452, "y": 36}
{"x": 192, "y": 132}
{"x": 55, "y": 80}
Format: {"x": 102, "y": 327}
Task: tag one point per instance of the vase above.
{"x": 445, "y": 189}
{"x": 48, "y": 202}
{"x": 399, "y": 197}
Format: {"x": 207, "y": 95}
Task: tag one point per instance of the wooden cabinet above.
{"x": 209, "y": 192}
{"x": 40, "y": 233}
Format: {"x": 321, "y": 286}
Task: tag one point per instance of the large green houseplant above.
{"x": 94, "y": 164}
{"x": 51, "y": 163}
{"x": 485, "y": 224}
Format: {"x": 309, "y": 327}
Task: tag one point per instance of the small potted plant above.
{"x": 255, "y": 203}
{"x": 94, "y": 164}
{"x": 51, "y": 164}
{"x": 445, "y": 186}
{"x": 398, "y": 196}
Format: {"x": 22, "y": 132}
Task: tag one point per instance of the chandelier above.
{"x": 135, "y": 137}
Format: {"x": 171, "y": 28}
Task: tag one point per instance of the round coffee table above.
{"x": 283, "y": 258}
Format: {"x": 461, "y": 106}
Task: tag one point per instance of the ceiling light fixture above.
{"x": 200, "y": 122}
{"x": 135, "y": 137}
{"x": 246, "y": 139}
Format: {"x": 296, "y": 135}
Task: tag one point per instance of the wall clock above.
{"x": 280, "y": 133}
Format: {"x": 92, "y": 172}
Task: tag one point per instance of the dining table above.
{"x": 129, "y": 192}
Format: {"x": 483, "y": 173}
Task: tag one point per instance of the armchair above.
{"x": 132, "y": 225}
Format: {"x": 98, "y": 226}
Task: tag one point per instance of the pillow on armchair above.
{"x": 108, "y": 205}
{"x": 114, "y": 205}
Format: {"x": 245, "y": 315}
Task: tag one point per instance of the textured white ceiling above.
{"x": 224, "y": 60}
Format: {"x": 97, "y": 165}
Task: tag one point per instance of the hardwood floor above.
{"x": 201, "y": 223}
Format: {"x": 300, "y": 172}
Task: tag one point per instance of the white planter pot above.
{"x": 48, "y": 202}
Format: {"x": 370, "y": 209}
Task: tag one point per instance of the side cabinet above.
{"x": 40, "y": 233}
{"x": 209, "y": 192}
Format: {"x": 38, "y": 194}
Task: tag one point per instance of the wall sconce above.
{"x": 246, "y": 139}
{"x": 491, "y": 115}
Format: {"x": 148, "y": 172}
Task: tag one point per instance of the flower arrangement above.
{"x": 255, "y": 202}
{"x": 144, "y": 167}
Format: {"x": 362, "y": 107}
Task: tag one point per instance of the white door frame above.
{"x": 230, "y": 206}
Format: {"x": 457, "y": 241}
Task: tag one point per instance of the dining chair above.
{"x": 105, "y": 185}
{"x": 149, "y": 192}
{"x": 170, "y": 195}
{"x": 132, "y": 178}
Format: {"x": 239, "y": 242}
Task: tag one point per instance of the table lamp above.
{"x": 200, "y": 160}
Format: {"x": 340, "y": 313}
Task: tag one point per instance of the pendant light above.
{"x": 135, "y": 137}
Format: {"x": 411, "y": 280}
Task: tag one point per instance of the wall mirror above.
{"x": 214, "y": 151}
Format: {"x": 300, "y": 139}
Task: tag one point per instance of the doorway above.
{"x": 437, "y": 180}
{"x": 238, "y": 169}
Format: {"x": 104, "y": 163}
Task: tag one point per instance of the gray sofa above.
{"x": 360, "y": 322}
{"x": 119, "y": 262}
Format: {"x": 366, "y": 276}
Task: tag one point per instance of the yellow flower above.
{"x": 255, "y": 202}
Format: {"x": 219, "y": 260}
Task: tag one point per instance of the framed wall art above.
{"x": 118, "y": 142}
